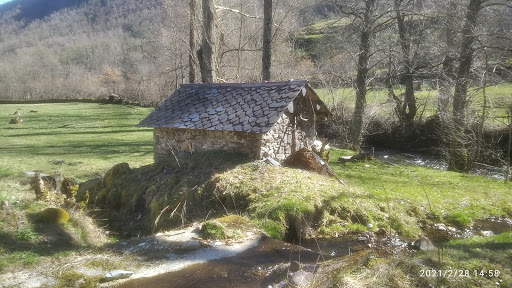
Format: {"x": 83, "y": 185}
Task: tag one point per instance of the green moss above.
{"x": 213, "y": 230}
{"x": 53, "y": 216}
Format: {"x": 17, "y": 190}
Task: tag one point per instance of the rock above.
{"x": 294, "y": 266}
{"x": 38, "y": 186}
{"x": 118, "y": 274}
{"x": 423, "y": 243}
{"x": 16, "y": 120}
{"x": 300, "y": 279}
{"x": 440, "y": 226}
{"x": 191, "y": 245}
{"x": 485, "y": 233}
{"x": 381, "y": 232}
{"x": 309, "y": 160}
{"x": 116, "y": 171}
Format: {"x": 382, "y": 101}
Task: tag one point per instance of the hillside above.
{"x": 27, "y": 11}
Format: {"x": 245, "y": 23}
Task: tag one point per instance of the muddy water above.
{"x": 255, "y": 267}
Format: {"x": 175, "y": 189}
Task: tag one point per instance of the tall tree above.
{"x": 192, "y": 43}
{"x": 266, "y": 59}
{"x": 362, "y": 74}
{"x": 458, "y": 152}
{"x": 206, "y": 52}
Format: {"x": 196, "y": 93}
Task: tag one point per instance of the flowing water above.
{"x": 431, "y": 161}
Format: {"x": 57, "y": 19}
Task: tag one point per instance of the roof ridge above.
{"x": 247, "y": 84}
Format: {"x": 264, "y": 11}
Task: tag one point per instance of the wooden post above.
{"x": 507, "y": 171}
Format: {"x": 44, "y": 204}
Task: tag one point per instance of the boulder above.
{"x": 309, "y": 160}
{"x": 423, "y": 243}
{"x": 116, "y": 171}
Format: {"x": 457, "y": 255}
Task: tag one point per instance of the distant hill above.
{"x": 30, "y": 10}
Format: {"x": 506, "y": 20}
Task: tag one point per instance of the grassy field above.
{"x": 499, "y": 99}
{"x": 78, "y": 139}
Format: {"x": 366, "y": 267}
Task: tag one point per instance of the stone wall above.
{"x": 193, "y": 140}
{"x": 294, "y": 130}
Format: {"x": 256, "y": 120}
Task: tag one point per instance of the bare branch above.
{"x": 222, "y": 8}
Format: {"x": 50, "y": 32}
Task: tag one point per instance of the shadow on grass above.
{"x": 495, "y": 250}
{"x": 78, "y": 132}
{"x": 81, "y": 148}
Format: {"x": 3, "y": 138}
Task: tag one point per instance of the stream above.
{"x": 430, "y": 161}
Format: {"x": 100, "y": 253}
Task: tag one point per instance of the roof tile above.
{"x": 247, "y": 107}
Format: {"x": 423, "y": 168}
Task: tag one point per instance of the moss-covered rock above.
{"x": 213, "y": 230}
{"x": 53, "y": 216}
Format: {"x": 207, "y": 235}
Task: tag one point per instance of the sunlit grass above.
{"x": 79, "y": 139}
{"x": 453, "y": 197}
{"x": 498, "y": 103}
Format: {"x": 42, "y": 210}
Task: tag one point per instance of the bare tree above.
{"x": 366, "y": 17}
{"x": 458, "y": 151}
{"x": 266, "y": 59}
{"x": 206, "y": 53}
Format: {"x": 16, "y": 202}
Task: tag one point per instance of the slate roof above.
{"x": 245, "y": 107}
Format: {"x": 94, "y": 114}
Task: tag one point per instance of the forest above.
{"x": 389, "y": 69}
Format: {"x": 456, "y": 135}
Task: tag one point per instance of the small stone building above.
{"x": 271, "y": 119}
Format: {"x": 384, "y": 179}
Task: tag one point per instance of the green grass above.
{"x": 418, "y": 192}
{"x": 79, "y": 139}
{"x": 500, "y": 97}
{"x": 487, "y": 259}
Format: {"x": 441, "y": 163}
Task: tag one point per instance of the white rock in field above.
{"x": 118, "y": 274}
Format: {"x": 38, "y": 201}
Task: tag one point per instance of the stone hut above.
{"x": 271, "y": 119}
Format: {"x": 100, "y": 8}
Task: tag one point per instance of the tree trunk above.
{"x": 362, "y": 74}
{"x": 206, "y": 53}
{"x": 458, "y": 153}
{"x": 192, "y": 43}
{"x": 407, "y": 110}
{"x": 445, "y": 83}
{"x": 266, "y": 59}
